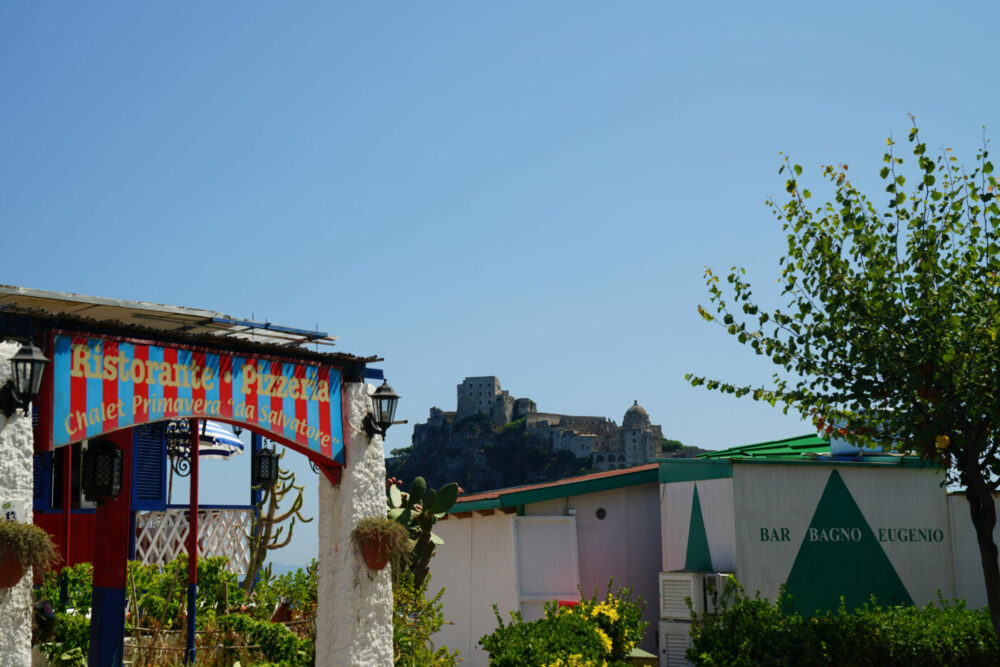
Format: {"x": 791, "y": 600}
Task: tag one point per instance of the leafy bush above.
{"x": 70, "y": 641}
{"x": 754, "y": 631}
{"x": 278, "y": 643}
{"x": 78, "y": 588}
{"x": 158, "y": 595}
{"x": 296, "y": 589}
{"x": 596, "y": 632}
{"x": 414, "y": 620}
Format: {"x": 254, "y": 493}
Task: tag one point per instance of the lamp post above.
{"x": 28, "y": 367}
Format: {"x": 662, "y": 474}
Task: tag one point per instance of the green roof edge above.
{"x": 475, "y": 505}
{"x": 693, "y": 470}
{"x": 514, "y": 497}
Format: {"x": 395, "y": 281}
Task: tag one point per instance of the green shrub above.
{"x": 754, "y": 631}
{"x": 596, "y": 632}
{"x": 78, "y": 588}
{"x": 297, "y": 588}
{"x": 70, "y": 640}
{"x": 414, "y": 619}
{"x": 278, "y": 643}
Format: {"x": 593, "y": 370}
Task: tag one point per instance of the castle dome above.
{"x": 635, "y": 417}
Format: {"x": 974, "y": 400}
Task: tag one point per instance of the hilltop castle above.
{"x": 609, "y": 446}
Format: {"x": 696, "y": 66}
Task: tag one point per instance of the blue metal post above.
{"x": 192, "y": 545}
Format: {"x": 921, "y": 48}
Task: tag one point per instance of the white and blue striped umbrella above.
{"x": 218, "y": 441}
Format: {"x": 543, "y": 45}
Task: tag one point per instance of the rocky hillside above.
{"x": 481, "y": 456}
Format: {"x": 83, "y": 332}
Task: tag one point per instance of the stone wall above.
{"x": 16, "y": 479}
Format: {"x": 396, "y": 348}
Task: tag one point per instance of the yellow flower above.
{"x": 574, "y": 660}
{"x": 606, "y": 609}
{"x": 605, "y": 640}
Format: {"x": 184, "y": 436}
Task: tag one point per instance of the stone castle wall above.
{"x": 609, "y": 446}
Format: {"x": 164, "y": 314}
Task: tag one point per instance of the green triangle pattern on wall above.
{"x": 840, "y": 556}
{"x": 699, "y": 558}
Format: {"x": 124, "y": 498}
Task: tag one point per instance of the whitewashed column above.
{"x": 16, "y": 480}
{"x": 354, "y": 615}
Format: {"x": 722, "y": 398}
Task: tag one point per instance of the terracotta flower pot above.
{"x": 11, "y": 570}
{"x": 376, "y": 549}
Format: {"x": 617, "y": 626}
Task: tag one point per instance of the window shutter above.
{"x": 149, "y": 461}
{"x": 43, "y": 466}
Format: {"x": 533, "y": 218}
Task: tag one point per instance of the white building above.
{"x": 783, "y": 512}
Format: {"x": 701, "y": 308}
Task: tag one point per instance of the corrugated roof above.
{"x": 787, "y": 448}
{"x": 808, "y": 448}
{"x": 154, "y": 316}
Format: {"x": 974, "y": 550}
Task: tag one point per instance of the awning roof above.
{"x": 176, "y": 319}
{"x": 177, "y": 324}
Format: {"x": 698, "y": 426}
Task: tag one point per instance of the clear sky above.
{"x": 527, "y": 190}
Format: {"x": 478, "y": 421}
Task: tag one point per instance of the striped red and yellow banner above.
{"x": 103, "y": 384}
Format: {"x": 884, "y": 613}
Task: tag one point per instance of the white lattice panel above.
{"x": 161, "y": 536}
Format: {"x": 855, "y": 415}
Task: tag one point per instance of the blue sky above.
{"x": 527, "y": 190}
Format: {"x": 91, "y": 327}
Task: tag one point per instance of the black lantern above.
{"x": 101, "y": 471}
{"x": 379, "y": 419}
{"x": 263, "y": 467}
{"x": 25, "y": 385}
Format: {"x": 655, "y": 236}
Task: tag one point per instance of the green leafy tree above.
{"x": 889, "y": 333}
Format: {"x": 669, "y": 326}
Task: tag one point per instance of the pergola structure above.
{"x": 119, "y": 365}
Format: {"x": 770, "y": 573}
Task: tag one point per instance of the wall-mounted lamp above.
{"x": 263, "y": 467}
{"x": 237, "y": 429}
{"x": 28, "y": 366}
{"x": 378, "y": 421}
{"x": 101, "y": 471}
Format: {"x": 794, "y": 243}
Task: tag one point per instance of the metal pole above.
{"x": 192, "y": 544}
{"x": 67, "y": 507}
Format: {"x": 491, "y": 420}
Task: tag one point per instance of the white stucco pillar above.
{"x": 354, "y": 614}
{"x": 16, "y": 479}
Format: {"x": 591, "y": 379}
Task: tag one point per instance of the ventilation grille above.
{"x": 676, "y": 649}
{"x": 675, "y": 588}
{"x": 675, "y": 640}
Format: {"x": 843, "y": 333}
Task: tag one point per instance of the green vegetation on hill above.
{"x": 676, "y": 449}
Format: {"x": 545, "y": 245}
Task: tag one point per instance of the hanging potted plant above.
{"x": 23, "y": 545}
{"x": 381, "y": 540}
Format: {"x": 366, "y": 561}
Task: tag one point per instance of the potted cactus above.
{"x": 380, "y": 540}
{"x": 23, "y": 545}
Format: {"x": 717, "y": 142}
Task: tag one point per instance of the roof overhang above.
{"x": 24, "y": 312}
